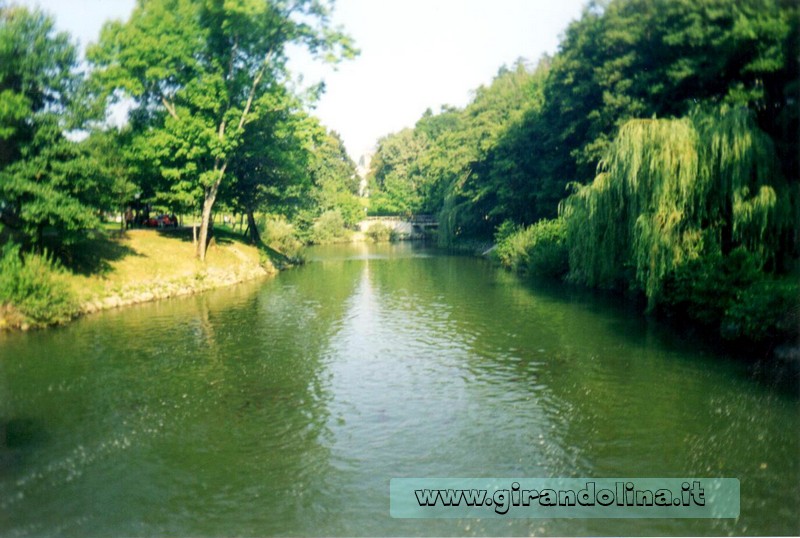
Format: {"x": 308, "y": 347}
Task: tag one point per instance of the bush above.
{"x": 33, "y": 284}
{"x": 303, "y": 222}
{"x": 380, "y": 232}
{"x": 505, "y": 230}
{"x": 704, "y": 288}
{"x": 539, "y": 249}
{"x": 731, "y": 295}
{"x": 350, "y": 207}
{"x": 282, "y": 236}
{"x": 768, "y": 310}
{"x": 329, "y": 228}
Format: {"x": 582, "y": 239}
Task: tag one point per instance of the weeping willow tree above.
{"x": 672, "y": 190}
{"x": 448, "y": 221}
{"x": 457, "y": 218}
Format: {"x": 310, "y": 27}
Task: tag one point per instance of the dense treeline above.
{"x": 656, "y": 152}
{"x": 437, "y": 163}
{"x": 215, "y": 125}
{"x": 214, "y": 117}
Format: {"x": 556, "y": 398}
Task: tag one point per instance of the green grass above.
{"x": 139, "y": 257}
{"x": 110, "y": 268}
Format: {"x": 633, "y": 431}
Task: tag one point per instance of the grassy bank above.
{"x": 111, "y": 270}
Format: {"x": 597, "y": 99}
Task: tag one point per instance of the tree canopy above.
{"x": 200, "y": 71}
{"x": 46, "y": 180}
{"x": 511, "y": 153}
{"x": 671, "y": 191}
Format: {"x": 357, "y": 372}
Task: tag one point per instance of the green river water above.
{"x": 286, "y": 406}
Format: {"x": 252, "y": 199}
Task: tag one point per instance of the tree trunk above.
{"x": 211, "y": 192}
{"x": 205, "y": 221}
{"x": 255, "y": 237}
{"x": 208, "y": 206}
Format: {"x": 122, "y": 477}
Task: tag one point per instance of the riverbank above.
{"x": 112, "y": 270}
{"x": 751, "y": 316}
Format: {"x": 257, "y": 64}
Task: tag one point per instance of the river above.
{"x": 286, "y": 406}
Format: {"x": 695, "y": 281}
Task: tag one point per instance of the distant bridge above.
{"x": 403, "y": 225}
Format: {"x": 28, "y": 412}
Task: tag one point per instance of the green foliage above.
{"x": 281, "y": 235}
{"x": 766, "y": 311}
{"x": 440, "y": 166}
{"x": 451, "y": 221}
{"x": 731, "y": 295}
{"x": 270, "y": 170}
{"x": 379, "y": 232}
{"x": 201, "y": 72}
{"x": 47, "y": 182}
{"x": 394, "y": 197}
{"x": 539, "y": 249}
{"x": 629, "y": 59}
{"x": 107, "y": 174}
{"x": 670, "y": 191}
{"x": 490, "y": 186}
{"x": 37, "y": 74}
{"x": 513, "y": 151}
{"x": 476, "y": 180}
{"x": 329, "y": 228}
{"x": 335, "y": 178}
{"x": 395, "y": 175}
{"x": 31, "y": 283}
{"x": 505, "y": 230}
{"x": 705, "y": 287}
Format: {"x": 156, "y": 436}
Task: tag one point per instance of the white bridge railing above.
{"x": 414, "y": 219}
{"x": 407, "y": 226}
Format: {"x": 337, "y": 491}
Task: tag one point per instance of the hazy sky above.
{"x": 415, "y": 54}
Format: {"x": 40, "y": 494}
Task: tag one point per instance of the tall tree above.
{"x": 395, "y": 173}
{"x": 334, "y": 175}
{"x": 629, "y": 59}
{"x": 670, "y": 191}
{"x": 525, "y": 138}
{"x": 45, "y": 181}
{"x": 471, "y": 194}
{"x": 201, "y": 70}
{"x": 271, "y": 169}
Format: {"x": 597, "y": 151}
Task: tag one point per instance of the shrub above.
{"x": 303, "y": 222}
{"x": 328, "y": 228}
{"x": 380, "y": 232}
{"x": 505, "y": 230}
{"x": 735, "y": 298}
{"x": 282, "y": 236}
{"x": 539, "y": 249}
{"x": 769, "y": 310}
{"x": 350, "y": 207}
{"x": 34, "y": 285}
{"x": 704, "y": 288}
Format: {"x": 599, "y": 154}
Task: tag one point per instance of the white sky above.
{"x": 415, "y": 54}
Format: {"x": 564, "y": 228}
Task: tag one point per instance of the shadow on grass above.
{"x": 225, "y": 236}
{"x": 221, "y": 236}
{"x": 93, "y": 255}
